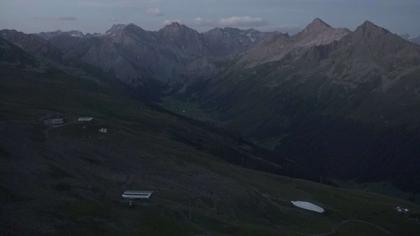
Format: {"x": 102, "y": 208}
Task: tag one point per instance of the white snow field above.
{"x": 308, "y": 206}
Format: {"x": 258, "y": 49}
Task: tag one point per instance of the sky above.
{"x": 399, "y": 16}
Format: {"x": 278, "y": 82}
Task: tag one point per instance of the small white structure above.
{"x": 308, "y": 206}
{"x": 132, "y": 196}
{"x": 402, "y": 210}
{"x": 103, "y": 130}
{"x": 85, "y": 119}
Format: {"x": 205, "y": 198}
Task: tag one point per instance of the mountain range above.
{"x": 210, "y": 120}
{"x": 174, "y": 54}
{"x": 278, "y": 90}
{"x": 344, "y": 109}
{"x": 275, "y": 48}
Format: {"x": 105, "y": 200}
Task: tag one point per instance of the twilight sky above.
{"x": 400, "y": 16}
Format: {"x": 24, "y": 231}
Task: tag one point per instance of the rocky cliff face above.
{"x": 224, "y": 42}
{"x": 337, "y": 104}
{"x": 32, "y": 43}
{"x": 367, "y": 62}
{"x": 275, "y": 48}
{"x": 173, "y": 55}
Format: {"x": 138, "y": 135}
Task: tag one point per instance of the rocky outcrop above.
{"x": 277, "y": 47}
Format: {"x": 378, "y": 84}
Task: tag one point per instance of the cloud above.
{"x": 59, "y": 18}
{"x": 242, "y": 21}
{"x": 155, "y": 11}
{"x": 67, "y": 18}
{"x": 233, "y": 21}
{"x": 113, "y": 3}
{"x": 201, "y": 22}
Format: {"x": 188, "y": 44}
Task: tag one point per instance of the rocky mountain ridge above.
{"x": 278, "y": 90}
{"x": 174, "y": 54}
{"x": 273, "y": 49}
{"x": 341, "y": 107}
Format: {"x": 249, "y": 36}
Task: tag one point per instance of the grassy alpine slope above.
{"x": 68, "y": 180}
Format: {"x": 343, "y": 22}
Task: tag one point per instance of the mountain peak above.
{"x": 368, "y": 27}
{"x": 133, "y": 27}
{"x": 116, "y": 28}
{"x": 319, "y": 21}
{"x": 316, "y": 25}
{"x": 174, "y": 24}
{"x": 120, "y": 28}
{"x": 175, "y": 27}
{"x": 368, "y": 23}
